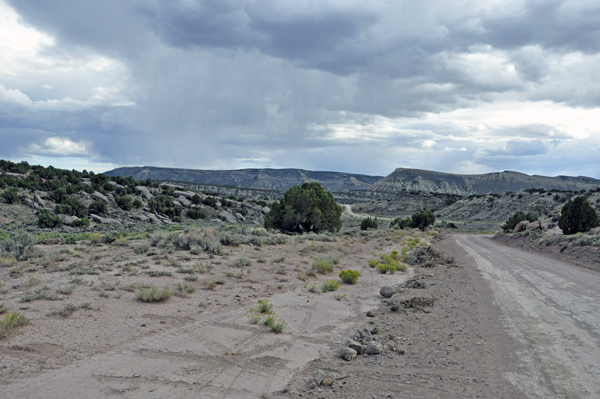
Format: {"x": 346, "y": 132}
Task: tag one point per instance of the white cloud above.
{"x": 61, "y": 147}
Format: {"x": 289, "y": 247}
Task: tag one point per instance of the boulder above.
{"x": 39, "y": 200}
{"x": 68, "y": 220}
{"x": 319, "y": 377}
{"x": 387, "y": 291}
{"x": 96, "y": 196}
{"x": 144, "y": 192}
{"x": 227, "y": 217}
{"x": 186, "y": 203}
{"x": 141, "y": 218}
{"x": 265, "y": 210}
{"x": 533, "y": 226}
{"x": 253, "y": 207}
{"x": 352, "y": 344}
{"x": 99, "y": 219}
{"x": 396, "y": 301}
{"x": 521, "y": 226}
{"x": 240, "y": 217}
{"x": 365, "y": 335}
{"x": 374, "y": 348}
{"x": 348, "y": 354}
{"x": 186, "y": 194}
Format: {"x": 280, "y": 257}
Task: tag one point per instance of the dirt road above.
{"x": 552, "y": 311}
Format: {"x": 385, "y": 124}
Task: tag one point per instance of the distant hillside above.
{"x": 403, "y": 179}
{"x": 266, "y": 179}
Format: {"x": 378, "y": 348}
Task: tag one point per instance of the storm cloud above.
{"x": 344, "y": 85}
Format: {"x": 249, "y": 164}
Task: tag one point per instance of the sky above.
{"x": 336, "y": 85}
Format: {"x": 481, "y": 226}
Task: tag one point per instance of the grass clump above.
{"x": 387, "y": 267}
{"x": 314, "y": 289}
{"x": 184, "y": 290}
{"x": 159, "y": 273}
{"x": 325, "y": 265}
{"x": 276, "y": 324}
{"x": 330, "y": 285}
{"x": 373, "y": 263}
{"x": 65, "y": 312}
{"x": 339, "y": 297}
{"x": 264, "y": 305}
{"x": 349, "y": 276}
{"x": 240, "y": 262}
{"x": 65, "y": 290}
{"x": 154, "y": 294}
{"x": 11, "y": 322}
{"x": 3, "y": 308}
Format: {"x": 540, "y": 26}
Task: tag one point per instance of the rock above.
{"x": 387, "y": 292}
{"x": 373, "y": 348}
{"x": 319, "y": 377}
{"x": 534, "y": 226}
{"x": 352, "y": 344}
{"x": 365, "y": 335}
{"x": 152, "y": 218}
{"x": 521, "y": 226}
{"x": 348, "y": 354}
{"x": 312, "y": 385}
{"x": 371, "y": 313}
{"x": 186, "y": 203}
{"x": 115, "y": 184}
{"x": 99, "y": 219}
{"x": 240, "y": 217}
{"x": 227, "y": 217}
{"x": 186, "y": 194}
{"x": 141, "y": 218}
{"x": 39, "y": 200}
{"x": 396, "y": 301}
{"x": 96, "y": 196}
{"x": 265, "y": 210}
{"x": 144, "y": 192}
{"x": 68, "y": 220}
{"x": 248, "y": 206}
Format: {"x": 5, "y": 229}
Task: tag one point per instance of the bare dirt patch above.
{"x": 89, "y": 335}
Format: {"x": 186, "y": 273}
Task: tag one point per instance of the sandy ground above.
{"x": 198, "y": 345}
{"x": 505, "y": 324}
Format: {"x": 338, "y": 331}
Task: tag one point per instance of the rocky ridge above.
{"x": 498, "y": 182}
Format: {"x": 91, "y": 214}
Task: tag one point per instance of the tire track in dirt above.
{"x": 216, "y": 355}
{"x": 551, "y": 309}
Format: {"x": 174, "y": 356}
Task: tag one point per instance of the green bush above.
{"x": 349, "y": 276}
{"x": 577, "y": 215}
{"x": 304, "y": 209}
{"x": 137, "y": 203}
{"x": 11, "y": 195}
{"x": 324, "y": 265}
{"x": 418, "y": 220}
{"x": 97, "y": 207}
{"x": 330, "y": 285}
{"x": 154, "y": 294}
{"x": 517, "y": 217}
{"x": 388, "y": 267}
{"x": 124, "y": 202}
{"x": 18, "y": 246}
{"x": 48, "y": 221}
{"x": 195, "y": 212}
{"x": 11, "y": 322}
{"x": 83, "y": 222}
{"x": 369, "y": 223}
{"x": 422, "y": 219}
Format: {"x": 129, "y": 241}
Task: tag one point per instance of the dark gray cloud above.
{"x": 340, "y": 85}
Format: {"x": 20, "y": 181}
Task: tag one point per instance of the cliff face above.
{"x": 266, "y": 179}
{"x": 500, "y": 182}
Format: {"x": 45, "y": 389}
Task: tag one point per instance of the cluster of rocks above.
{"x": 364, "y": 343}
